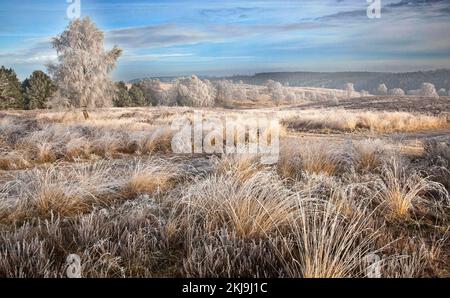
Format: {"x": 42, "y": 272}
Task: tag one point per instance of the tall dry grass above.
{"x": 314, "y": 157}
{"x": 319, "y": 212}
{"x": 370, "y": 153}
{"x": 156, "y": 176}
{"x": 403, "y": 190}
{"x": 324, "y": 243}
{"x": 399, "y": 192}
{"x": 66, "y": 190}
{"x": 343, "y": 120}
{"x": 252, "y": 207}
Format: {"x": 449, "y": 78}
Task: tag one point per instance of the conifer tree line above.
{"x": 36, "y": 92}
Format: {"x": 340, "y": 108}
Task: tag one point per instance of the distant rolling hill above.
{"x": 362, "y": 80}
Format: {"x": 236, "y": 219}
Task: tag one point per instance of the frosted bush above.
{"x": 275, "y": 90}
{"x": 442, "y": 92}
{"x": 224, "y": 92}
{"x": 253, "y": 94}
{"x": 153, "y": 91}
{"x": 382, "y": 89}
{"x": 397, "y": 92}
{"x": 167, "y": 97}
{"x": 349, "y": 89}
{"x": 194, "y": 92}
{"x": 291, "y": 97}
{"x": 239, "y": 93}
{"x": 429, "y": 90}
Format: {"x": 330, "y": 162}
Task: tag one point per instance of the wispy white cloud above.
{"x": 168, "y": 35}
{"x": 156, "y": 36}
{"x": 40, "y": 53}
{"x": 153, "y": 57}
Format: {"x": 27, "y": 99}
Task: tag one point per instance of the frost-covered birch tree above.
{"x": 224, "y": 93}
{"x": 83, "y": 68}
{"x": 275, "y": 90}
{"x": 382, "y": 89}
{"x": 349, "y": 89}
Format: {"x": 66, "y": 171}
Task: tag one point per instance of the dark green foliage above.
{"x": 122, "y": 97}
{"x": 132, "y": 97}
{"x": 10, "y": 90}
{"x": 152, "y": 90}
{"x": 137, "y": 96}
{"x": 38, "y": 89}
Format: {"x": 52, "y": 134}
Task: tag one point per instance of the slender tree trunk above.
{"x": 85, "y": 113}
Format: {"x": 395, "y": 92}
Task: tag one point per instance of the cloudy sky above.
{"x": 218, "y": 37}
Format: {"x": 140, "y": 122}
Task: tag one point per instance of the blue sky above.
{"x": 218, "y": 37}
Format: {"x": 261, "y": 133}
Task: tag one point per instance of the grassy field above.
{"x": 355, "y": 179}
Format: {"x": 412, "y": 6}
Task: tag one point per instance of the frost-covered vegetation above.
{"x": 109, "y": 189}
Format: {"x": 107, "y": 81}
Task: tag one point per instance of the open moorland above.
{"x": 357, "y": 180}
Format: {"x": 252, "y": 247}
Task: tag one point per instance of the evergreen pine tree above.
{"x": 137, "y": 96}
{"x": 10, "y": 90}
{"x": 38, "y": 89}
{"x": 122, "y": 97}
